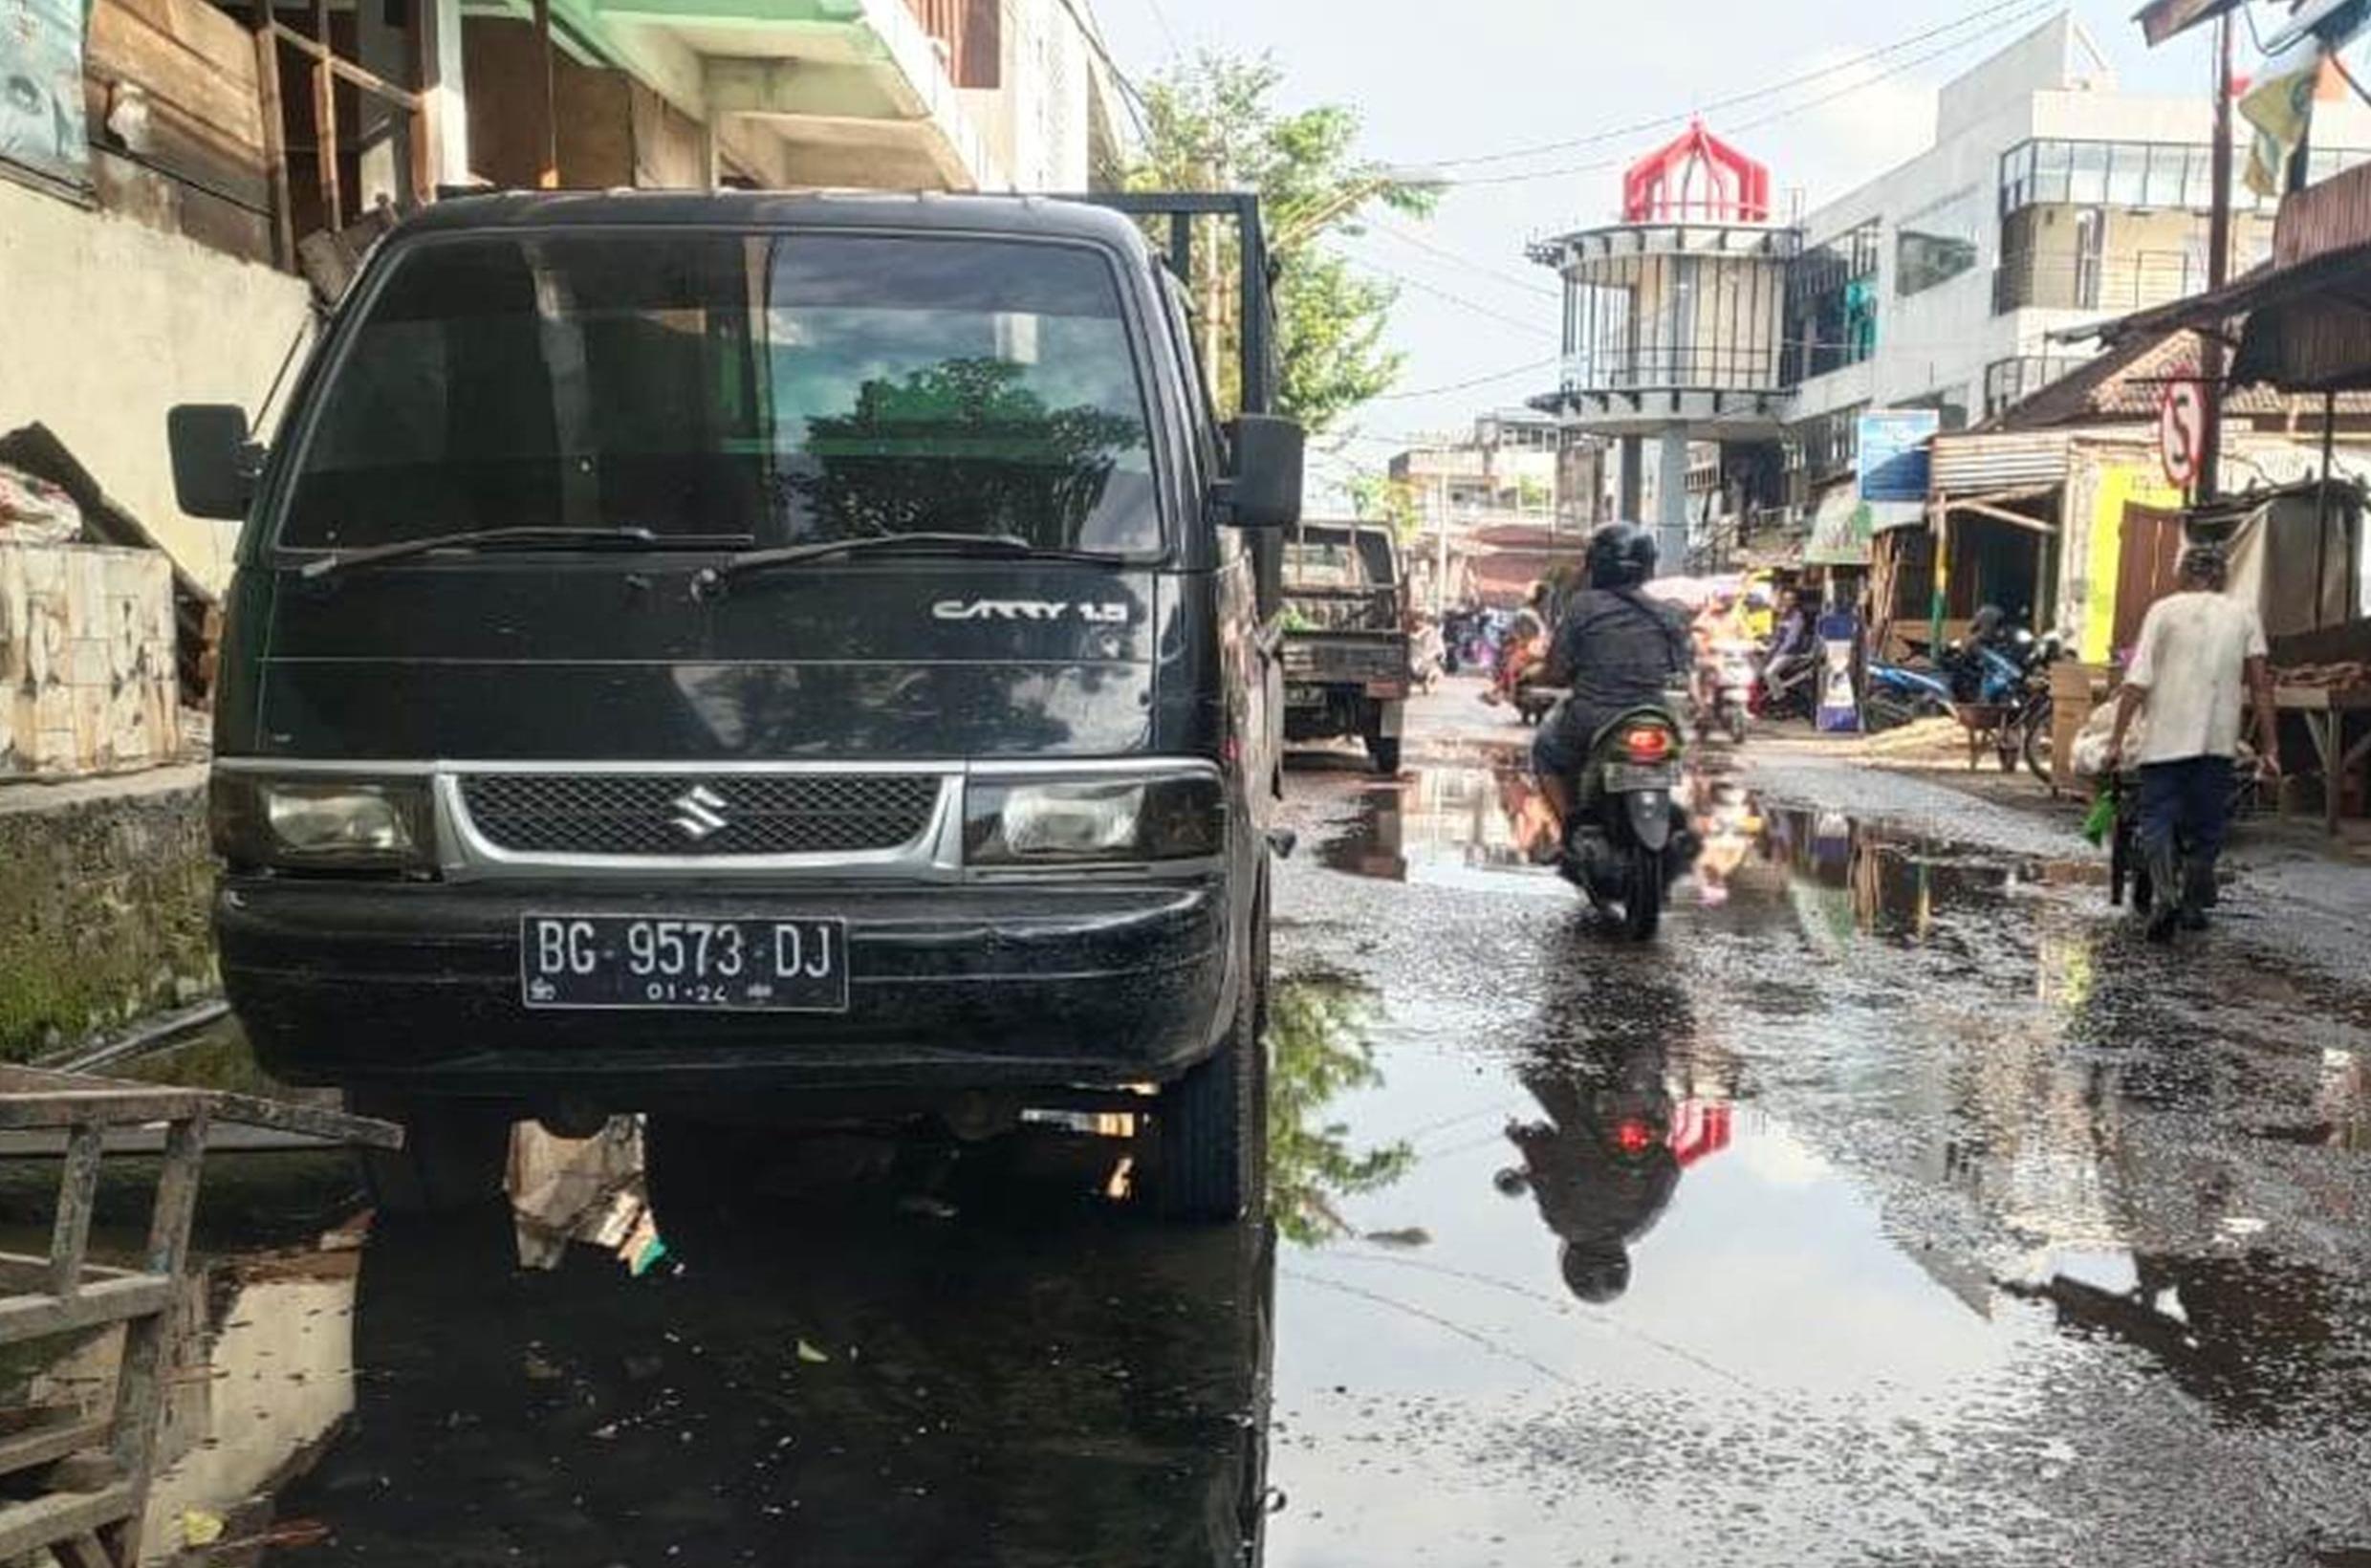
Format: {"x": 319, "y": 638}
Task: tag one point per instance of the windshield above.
{"x": 1336, "y": 558}
{"x": 792, "y": 388}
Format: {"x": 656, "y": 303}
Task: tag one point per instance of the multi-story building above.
{"x": 1511, "y": 466}
{"x": 2046, "y": 199}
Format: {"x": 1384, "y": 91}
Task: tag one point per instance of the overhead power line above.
{"x": 1545, "y": 325}
{"x": 1755, "y": 94}
{"x": 2033, "y": 8}
{"x": 1506, "y": 375}
{"x": 1409, "y": 236}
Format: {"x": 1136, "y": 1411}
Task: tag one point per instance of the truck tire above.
{"x": 454, "y": 1156}
{"x": 1211, "y": 1125}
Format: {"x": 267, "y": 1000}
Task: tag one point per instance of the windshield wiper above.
{"x": 1005, "y": 545}
{"x": 518, "y": 538}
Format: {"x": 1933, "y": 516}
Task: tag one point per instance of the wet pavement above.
{"x": 1896, "y": 1206}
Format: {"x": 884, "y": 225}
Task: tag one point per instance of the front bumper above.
{"x": 1026, "y": 984}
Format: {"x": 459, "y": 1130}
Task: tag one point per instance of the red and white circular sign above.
{"x": 2181, "y": 430}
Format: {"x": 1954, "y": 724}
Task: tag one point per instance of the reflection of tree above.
{"x": 961, "y": 440}
{"x": 1318, "y": 1048}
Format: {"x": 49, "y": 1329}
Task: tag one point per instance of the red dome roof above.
{"x": 1697, "y": 178}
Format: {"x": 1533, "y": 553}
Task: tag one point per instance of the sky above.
{"x": 1471, "y": 78}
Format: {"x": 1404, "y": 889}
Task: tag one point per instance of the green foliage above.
{"x": 1319, "y": 1050}
{"x": 1380, "y": 498}
{"x": 1213, "y": 124}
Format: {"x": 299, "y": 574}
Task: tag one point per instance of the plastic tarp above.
{"x": 2293, "y": 569}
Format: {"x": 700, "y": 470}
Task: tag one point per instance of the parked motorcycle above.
{"x": 1619, "y": 849}
{"x": 1898, "y": 693}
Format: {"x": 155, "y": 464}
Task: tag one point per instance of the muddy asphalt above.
{"x": 1898, "y": 1206}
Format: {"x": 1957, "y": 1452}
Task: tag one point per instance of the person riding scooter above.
{"x": 1617, "y": 651}
{"x": 1793, "y": 645}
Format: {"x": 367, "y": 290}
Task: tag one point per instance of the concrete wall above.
{"x": 105, "y": 323}
{"x": 103, "y": 906}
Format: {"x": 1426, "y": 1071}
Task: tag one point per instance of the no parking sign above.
{"x": 2181, "y": 430}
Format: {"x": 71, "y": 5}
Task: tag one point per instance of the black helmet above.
{"x": 1621, "y": 556}
{"x": 1595, "y": 1271}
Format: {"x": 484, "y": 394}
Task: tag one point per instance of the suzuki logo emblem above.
{"x": 699, "y": 811}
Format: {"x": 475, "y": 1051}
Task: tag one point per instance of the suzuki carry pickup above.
{"x": 746, "y": 654}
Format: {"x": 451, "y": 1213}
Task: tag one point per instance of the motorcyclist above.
{"x": 1617, "y": 649}
{"x": 1791, "y": 642}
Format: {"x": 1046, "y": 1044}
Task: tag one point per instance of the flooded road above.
{"x": 1896, "y": 1206}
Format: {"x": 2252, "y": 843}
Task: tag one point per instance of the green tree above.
{"x": 1212, "y": 123}
{"x": 1380, "y": 498}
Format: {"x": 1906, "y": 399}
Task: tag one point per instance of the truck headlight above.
{"x": 1073, "y": 821}
{"x": 322, "y": 823}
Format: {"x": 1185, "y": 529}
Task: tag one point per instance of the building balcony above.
{"x": 1672, "y": 324}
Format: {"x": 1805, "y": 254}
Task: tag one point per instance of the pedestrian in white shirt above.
{"x": 2200, "y": 654}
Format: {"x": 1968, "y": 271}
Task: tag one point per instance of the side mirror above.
{"x": 1266, "y": 488}
{"x": 214, "y": 463}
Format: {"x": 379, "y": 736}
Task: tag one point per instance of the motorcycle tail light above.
{"x": 1634, "y": 1136}
{"x": 1647, "y": 742}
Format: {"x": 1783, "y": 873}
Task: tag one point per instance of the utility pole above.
{"x": 2211, "y": 352}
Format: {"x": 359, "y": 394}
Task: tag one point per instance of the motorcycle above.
{"x": 1620, "y": 847}
{"x": 1729, "y": 681}
{"x": 1897, "y": 694}
{"x": 1788, "y": 691}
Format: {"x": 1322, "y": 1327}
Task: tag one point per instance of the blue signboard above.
{"x": 1894, "y": 453}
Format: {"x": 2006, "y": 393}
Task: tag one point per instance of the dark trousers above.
{"x": 2185, "y": 808}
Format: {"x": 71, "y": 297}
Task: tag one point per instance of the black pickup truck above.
{"x": 1347, "y": 664}
{"x": 758, "y": 657}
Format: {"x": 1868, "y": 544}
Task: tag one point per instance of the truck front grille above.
{"x": 697, "y": 814}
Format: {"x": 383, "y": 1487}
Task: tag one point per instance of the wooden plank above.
{"x": 149, "y": 1343}
{"x": 121, "y": 46}
{"x": 325, "y": 123}
{"x": 547, "y": 141}
{"x": 206, "y": 31}
{"x": 45, "y": 1444}
{"x": 83, "y": 1551}
{"x": 77, "y": 1191}
{"x": 19, "y": 1108}
{"x": 402, "y": 98}
{"x": 100, "y": 1302}
{"x": 44, "y": 1521}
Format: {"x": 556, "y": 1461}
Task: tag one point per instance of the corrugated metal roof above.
{"x": 1978, "y": 461}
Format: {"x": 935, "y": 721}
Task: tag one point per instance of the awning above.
{"x": 1983, "y": 461}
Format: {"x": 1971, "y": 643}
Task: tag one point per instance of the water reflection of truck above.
{"x": 1346, "y": 652}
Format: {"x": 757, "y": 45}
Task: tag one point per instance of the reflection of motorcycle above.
{"x": 1603, "y": 1165}
{"x": 1620, "y": 847}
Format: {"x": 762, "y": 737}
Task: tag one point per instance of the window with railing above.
{"x": 2099, "y": 260}
{"x": 2136, "y": 175}
{"x": 970, "y": 36}
{"x": 2009, "y": 382}
{"x": 1831, "y": 318}
{"x": 1825, "y": 445}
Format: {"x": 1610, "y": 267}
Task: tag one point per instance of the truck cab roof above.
{"x": 1034, "y": 217}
